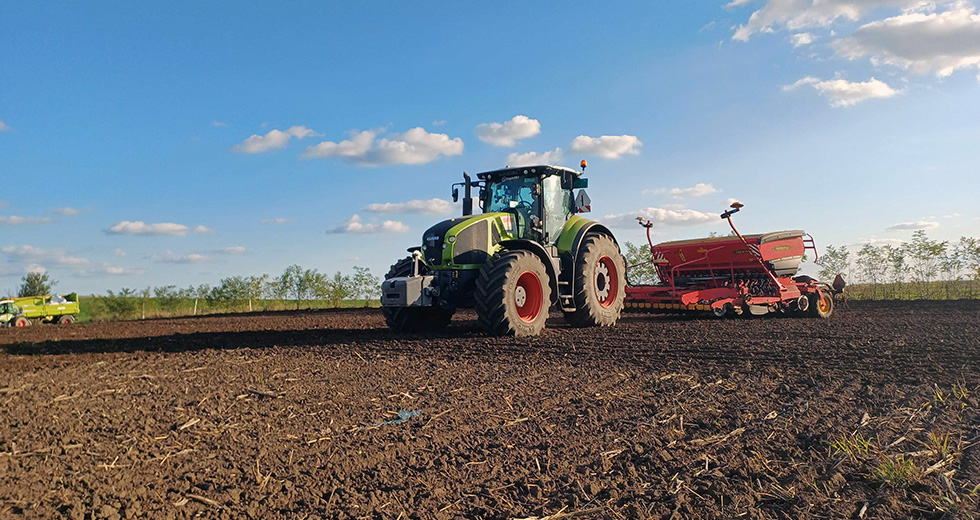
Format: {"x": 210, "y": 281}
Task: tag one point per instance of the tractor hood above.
{"x": 465, "y": 242}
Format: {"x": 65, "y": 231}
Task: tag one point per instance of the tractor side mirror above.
{"x": 455, "y": 194}
{"x": 566, "y": 181}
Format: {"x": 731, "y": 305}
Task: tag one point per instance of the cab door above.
{"x": 554, "y": 206}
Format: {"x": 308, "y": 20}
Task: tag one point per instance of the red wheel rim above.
{"x": 20, "y": 323}
{"x": 606, "y": 281}
{"x": 528, "y": 296}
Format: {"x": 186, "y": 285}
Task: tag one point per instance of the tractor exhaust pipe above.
{"x": 467, "y": 195}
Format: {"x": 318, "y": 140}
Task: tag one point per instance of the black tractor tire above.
{"x": 821, "y": 304}
{"x": 20, "y": 321}
{"x": 67, "y": 319}
{"x": 600, "y": 283}
{"x": 513, "y": 294}
{"x": 414, "y": 319}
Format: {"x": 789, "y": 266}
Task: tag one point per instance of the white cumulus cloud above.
{"x": 801, "y": 39}
{"x": 118, "y": 270}
{"x": 698, "y": 190}
{"x": 663, "y": 217}
{"x": 421, "y": 207}
{"x": 516, "y": 160}
{"x": 68, "y": 212}
{"x": 356, "y": 225}
{"x": 794, "y": 15}
{"x": 273, "y": 140}
{"x": 914, "y": 225}
{"x": 416, "y": 146}
{"x": 353, "y": 148}
{"x": 231, "y": 250}
{"x": 169, "y": 257}
{"x": 924, "y": 43}
{"x": 843, "y": 93}
{"x": 14, "y": 220}
{"x": 508, "y": 132}
{"x": 39, "y": 255}
{"x": 607, "y": 146}
{"x": 275, "y": 220}
{"x": 138, "y": 227}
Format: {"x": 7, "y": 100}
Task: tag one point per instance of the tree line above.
{"x": 296, "y": 287}
{"x": 919, "y": 268}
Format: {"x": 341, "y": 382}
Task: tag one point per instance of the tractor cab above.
{"x": 538, "y": 198}
{"x": 9, "y": 307}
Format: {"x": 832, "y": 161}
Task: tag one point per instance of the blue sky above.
{"x": 128, "y": 156}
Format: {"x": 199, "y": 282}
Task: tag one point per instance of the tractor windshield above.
{"x": 516, "y": 192}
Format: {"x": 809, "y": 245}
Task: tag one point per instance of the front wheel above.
{"x": 600, "y": 283}
{"x": 21, "y": 321}
{"x": 513, "y": 294}
{"x": 414, "y": 319}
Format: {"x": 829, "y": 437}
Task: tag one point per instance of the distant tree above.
{"x": 36, "y": 284}
{"x": 364, "y": 285}
{"x": 289, "y": 283}
{"x": 970, "y": 253}
{"x": 898, "y": 269}
{"x": 951, "y": 269}
{"x": 640, "y": 269}
{"x": 872, "y": 264}
{"x": 925, "y": 259}
{"x": 312, "y": 284}
{"x": 230, "y": 290}
{"x": 339, "y": 288}
{"x": 144, "y": 295}
{"x": 201, "y": 292}
{"x": 168, "y": 298}
{"x": 834, "y": 261}
{"x": 122, "y": 304}
{"x": 255, "y": 287}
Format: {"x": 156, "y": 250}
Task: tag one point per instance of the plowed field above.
{"x": 874, "y": 413}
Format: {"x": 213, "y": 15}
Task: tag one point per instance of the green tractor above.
{"x": 529, "y": 250}
{"x": 11, "y": 315}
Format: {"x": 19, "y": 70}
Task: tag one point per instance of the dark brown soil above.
{"x": 873, "y": 413}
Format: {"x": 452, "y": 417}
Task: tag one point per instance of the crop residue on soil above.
{"x": 874, "y": 413}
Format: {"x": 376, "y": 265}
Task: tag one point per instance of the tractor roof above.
{"x": 527, "y": 170}
{"x": 6, "y": 301}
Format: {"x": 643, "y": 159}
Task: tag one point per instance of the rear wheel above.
{"x": 821, "y": 304}
{"x": 513, "y": 294}
{"x": 600, "y": 283}
{"x": 21, "y": 321}
{"x": 66, "y": 320}
{"x": 414, "y": 319}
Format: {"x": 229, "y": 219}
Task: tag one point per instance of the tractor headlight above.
{"x": 452, "y": 239}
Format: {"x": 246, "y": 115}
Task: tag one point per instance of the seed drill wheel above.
{"x": 724, "y": 310}
{"x": 821, "y": 304}
{"x": 414, "y": 319}
{"x": 600, "y": 284}
{"x": 66, "y": 320}
{"x": 21, "y": 321}
{"x": 513, "y": 294}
